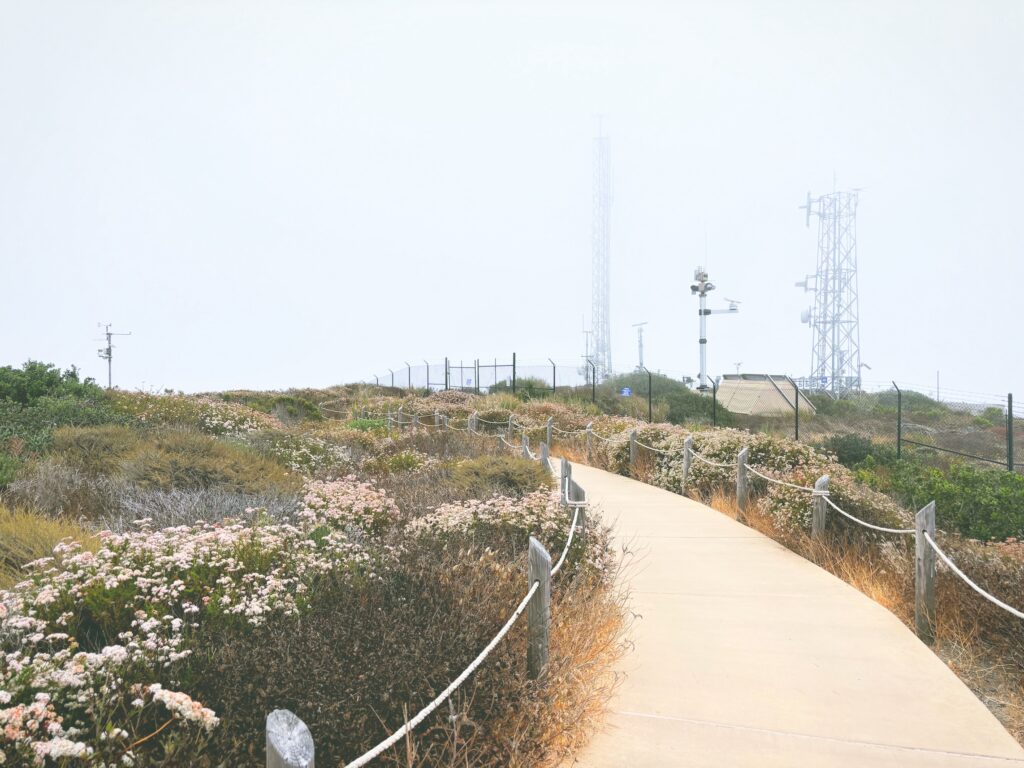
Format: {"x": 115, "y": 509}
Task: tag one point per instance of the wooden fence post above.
{"x": 510, "y": 427}
{"x": 526, "y": 446}
{"x": 820, "y": 513}
{"x": 472, "y": 421}
{"x": 538, "y": 611}
{"x": 576, "y": 493}
{"x": 687, "y": 460}
{"x": 632, "y": 448}
{"x": 444, "y": 421}
{"x": 551, "y": 421}
{"x": 289, "y": 742}
{"x": 545, "y": 454}
{"x": 742, "y": 488}
{"x": 924, "y": 574}
{"x": 437, "y": 419}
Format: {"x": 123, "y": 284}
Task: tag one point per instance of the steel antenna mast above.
{"x": 600, "y": 244}
{"x": 107, "y": 352}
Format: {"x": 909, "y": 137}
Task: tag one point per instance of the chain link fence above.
{"x": 887, "y": 421}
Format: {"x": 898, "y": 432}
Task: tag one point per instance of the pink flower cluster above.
{"x": 349, "y": 504}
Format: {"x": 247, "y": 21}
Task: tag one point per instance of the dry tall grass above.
{"x": 26, "y": 536}
{"x": 972, "y": 637}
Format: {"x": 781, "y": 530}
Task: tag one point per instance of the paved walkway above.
{"x": 748, "y": 655}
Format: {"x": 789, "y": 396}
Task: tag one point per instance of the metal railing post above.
{"x": 796, "y": 412}
{"x": 742, "y": 488}
{"x": 819, "y": 515}
{"x": 687, "y": 460}
{"x": 1009, "y": 432}
{"x": 289, "y": 742}
{"x": 447, "y": 375}
{"x": 924, "y": 574}
{"x": 538, "y": 611}
{"x": 899, "y": 423}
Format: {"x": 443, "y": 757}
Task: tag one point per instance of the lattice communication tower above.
{"x": 835, "y": 346}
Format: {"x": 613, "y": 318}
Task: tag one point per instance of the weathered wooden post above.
{"x": 415, "y": 421}
{"x": 437, "y": 419}
{"x": 687, "y": 460}
{"x": 472, "y": 422}
{"x": 526, "y": 446}
{"x": 632, "y": 449}
{"x": 742, "y": 489}
{"x": 576, "y": 493}
{"x": 444, "y": 421}
{"x": 550, "y": 425}
{"x": 924, "y": 574}
{"x": 538, "y": 610}
{"x": 289, "y": 742}
{"x": 545, "y": 455}
{"x": 510, "y": 427}
{"x": 590, "y": 442}
{"x": 820, "y": 512}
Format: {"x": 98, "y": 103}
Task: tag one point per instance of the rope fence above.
{"x": 289, "y": 742}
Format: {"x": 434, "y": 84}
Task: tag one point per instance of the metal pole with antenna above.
{"x": 107, "y": 353}
{"x": 554, "y": 374}
{"x": 650, "y": 403}
{"x": 640, "y": 343}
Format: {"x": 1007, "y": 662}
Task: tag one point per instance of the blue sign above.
{"x": 824, "y": 381}
{"x": 626, "y": 392}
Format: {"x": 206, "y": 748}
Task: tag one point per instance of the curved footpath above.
{"x": 748, "y": 655}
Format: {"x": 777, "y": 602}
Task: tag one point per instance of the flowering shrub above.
{"x": 214, "y": 417}
{"x": 302, "y": 452}
{"x": 348, "y": 503}
{"x": 93, "y": 642}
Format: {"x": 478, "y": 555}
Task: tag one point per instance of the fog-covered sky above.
{"x": 303, "y": 193}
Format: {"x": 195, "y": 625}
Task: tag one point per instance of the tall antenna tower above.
{"x": 600, "y": 318}
{"x": 107, "y": 352}
{"x": 835, "y": 346}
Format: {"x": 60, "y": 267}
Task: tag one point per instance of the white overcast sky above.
{"x": 306, "y": 193}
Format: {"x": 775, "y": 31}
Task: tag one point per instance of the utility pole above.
{"x": 107, "y": 353}
{"x": 640, "y": 343}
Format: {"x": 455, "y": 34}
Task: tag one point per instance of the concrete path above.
{"x": 748, "y": 655}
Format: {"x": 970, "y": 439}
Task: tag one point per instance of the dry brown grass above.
{"x": 972, "y": 637}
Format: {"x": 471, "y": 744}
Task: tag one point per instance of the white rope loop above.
{"x": 864, "y": 522}
{"x": 652, "y": 448}
{"x": 971, "y": 584}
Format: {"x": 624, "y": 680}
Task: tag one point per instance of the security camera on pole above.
{"x": 702, "y": 286}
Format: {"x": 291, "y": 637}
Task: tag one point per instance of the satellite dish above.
{"x": 805, "y": 316}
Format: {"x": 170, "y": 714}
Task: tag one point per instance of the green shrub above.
{"x": 505, "y": 475}
{"x": 367, "y": 425}
{"x": 290, "y": 408}
{"x": 979, "y": 503}
{"x": 850, "y": 449}
{"x": 33, "y": 424}
{"x": 394, "y": 463}
{"x": 169, "y": 458}
{"x": 34, "y": 380}
{"x": 27, "y": 536}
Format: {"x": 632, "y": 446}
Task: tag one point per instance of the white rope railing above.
{"x": 568, "y": 543}
{"x": 652, "y": 448}
{"x": 698, "y": 457}
{"x": 812, "y": 491}
{"x": 442, "y": 697}
{"x": 864, "y": 522}
{"x": 952, "y": 566}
